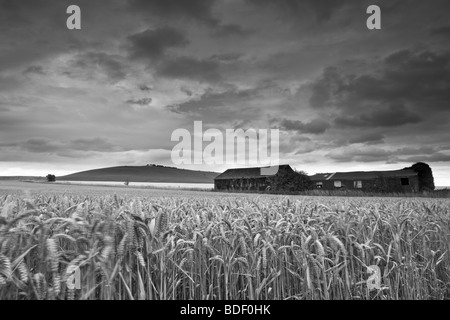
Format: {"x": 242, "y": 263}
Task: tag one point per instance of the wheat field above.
{"x": 208, "y": 247}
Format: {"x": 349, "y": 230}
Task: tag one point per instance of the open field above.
{"x": 170, "y": 244}
{"x": 19, "y": 187}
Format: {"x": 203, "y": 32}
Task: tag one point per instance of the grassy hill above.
{"x": 148, "y": 173}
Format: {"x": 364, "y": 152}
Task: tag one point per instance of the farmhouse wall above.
{"x": 381, "y": 184}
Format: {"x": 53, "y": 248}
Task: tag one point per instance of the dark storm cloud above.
{"x": 228, "y": 106}
{"x": 141, "y": 102}
{"x": 328, "y": 85}
{"x": 226, "y": 57}
{"x": 417, "y": 150}
{"x": 368, "y": 138}
{"x": 359, "y": 155}
{"x": 44, "y": 145}
{"x": 17, "y": 21}
{"x": 229, "y": 30}
{"x": 373, "y": 154}
{"x": 102, "y": 62}
{"x": 322, "y": 10}
{"x": 8, "y": 83}
{"x": 145, "y": 88}
{"x": 296, "y": 144}
{"x": 9, "y": 121}
{"x": 242, "y": 124}
{"x": 15, "y": 14}
{"x": 186, "y": 91}
{"x": 419, "y": 78}
{"x": 417, "y": 67}
{"x": 33, "y": 30}
{"x": 406, "y": 89}
{"x": 203, "y": 70}
{"x": 93, "y": 144}
{"x": 420, "y": 154}
{"x": 151, "y": 44}
{"x": 34, "y": 69}
{"x": 213, "y": 101}
{"x": 197, "y": 10}
{"x": 393, "y": 116}
{"x": 39, "y": 145}
{"x": 441, "y": 32}
{"x": 316, "y": 126}
{"x": 438, "y": 157}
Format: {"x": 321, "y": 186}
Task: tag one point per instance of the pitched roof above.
{"x": 239, "y": 173}
{"x": 363, "y": 175}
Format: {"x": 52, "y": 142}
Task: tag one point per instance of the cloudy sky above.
{"x": 344, "y": 97}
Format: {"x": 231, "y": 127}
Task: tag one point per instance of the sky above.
{"x": 344, "y": 97}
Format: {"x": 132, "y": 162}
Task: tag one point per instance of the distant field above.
{"x": 164, "y": 185}
{"x": 172, "y": 244}
{"x": 7, "y": 187}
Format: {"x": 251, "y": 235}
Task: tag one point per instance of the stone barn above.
{"x": 245, "y": 179}
{"x": 405, "y": 180}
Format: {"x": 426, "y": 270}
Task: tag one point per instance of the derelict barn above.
{"x": 405, "y": 180}
{"x": 246, "y": 179}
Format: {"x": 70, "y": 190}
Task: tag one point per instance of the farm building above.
{"x": 406, "y": 180}
{"x": 246, "y": 179}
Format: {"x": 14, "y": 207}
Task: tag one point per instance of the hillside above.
{"x": 149, "y": 173}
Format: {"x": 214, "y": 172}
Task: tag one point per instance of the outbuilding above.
{"x": 246, "y": 179}
{"x": 405, "y": 180}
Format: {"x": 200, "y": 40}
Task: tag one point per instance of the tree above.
{"x": 426, "y": 179}
{"x": 290, "y": 181}
{"x": 51, "y": 178}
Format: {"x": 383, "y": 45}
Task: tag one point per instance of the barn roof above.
{"x": 239, "y": 173}
{"x": 363, "y": 175}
